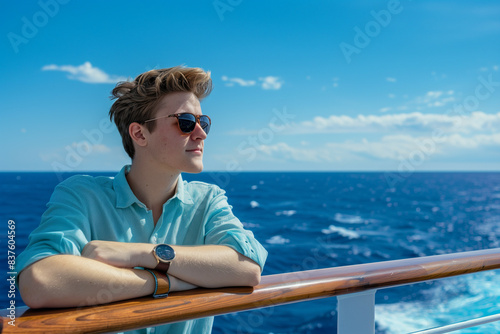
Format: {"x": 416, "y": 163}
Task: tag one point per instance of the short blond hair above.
{"x": 137, "y": 100}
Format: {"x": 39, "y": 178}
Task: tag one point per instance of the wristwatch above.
{"x": 164, "y": 254}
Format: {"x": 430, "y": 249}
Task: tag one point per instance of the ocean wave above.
{"x": 287, "y": 213}
{"x": 342, "y": 231}
{"x": 277, "y": 240}
{"x": 254, "y": 204}
{"x": 348, "y": 219}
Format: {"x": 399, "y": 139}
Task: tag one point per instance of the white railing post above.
{"x": 356, "y": 313}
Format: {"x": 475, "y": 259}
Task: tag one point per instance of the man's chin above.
{"x": 194, "y": 169}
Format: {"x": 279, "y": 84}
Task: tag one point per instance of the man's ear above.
{"x": 136, "y": 132}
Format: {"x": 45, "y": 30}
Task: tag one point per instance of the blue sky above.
{"x": 298, "y": 85}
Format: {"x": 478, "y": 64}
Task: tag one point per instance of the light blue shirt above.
{"x": 85, "y": 208}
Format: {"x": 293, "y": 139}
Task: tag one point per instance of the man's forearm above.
{"x": 207, "y": 266}
{"x": 71, "y": 281}
{"x": 213, "y": 266}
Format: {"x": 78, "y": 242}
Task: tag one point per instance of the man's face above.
{"x": 168, "y": 147}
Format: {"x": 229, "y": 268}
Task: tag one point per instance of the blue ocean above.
{"x": 313, "y": 220}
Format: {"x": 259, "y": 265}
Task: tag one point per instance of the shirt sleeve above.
{"x": 223, "y": 228}
{"x": 64, "y": 228}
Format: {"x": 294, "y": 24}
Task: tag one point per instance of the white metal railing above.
{"x": 356, "y": 315}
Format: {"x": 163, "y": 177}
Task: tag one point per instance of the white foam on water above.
{"x": 348, "y": 219}
{"x": 402, "y": 318}
{"x": 287, "y": 213}
{"x": 453, "y": 300}
{"x": 342, "y": 231}
{"x": 254, "y": 204}
{"x": 277, "y": 240}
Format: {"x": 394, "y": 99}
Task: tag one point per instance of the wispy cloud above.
{"x": 85, "y": 73}
{"x": 435, "y": 99}
{"x": 378, "y": 138}
{"x": 270, "y": 82}
{"x": 391, "y": 79}
{"x": 287, "y": 152}
{"x": 404, "y": 122}
{"x": 267, "y": 83}
{"x": 242, "y": 82}
{"x": 393, "y": 147}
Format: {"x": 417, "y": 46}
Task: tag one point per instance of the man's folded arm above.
{"x": 209, "y": 266}
{"x": 104, "y": 273}
{"x": 74, "y": 281}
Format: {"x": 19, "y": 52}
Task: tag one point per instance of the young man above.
{"x": 145, "y": 231}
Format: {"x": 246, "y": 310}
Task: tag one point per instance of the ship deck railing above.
{"x": 354, "y": 286}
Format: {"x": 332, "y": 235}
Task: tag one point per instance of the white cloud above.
{"x": 391, "y": 79}
{"x": 393, "y": 147}
{"x": 271, "y": 82}
{"x": 239, "y": 81}
{"x": 268, "y": 82}
{"x": 284, "y": 151}
{"x": 85, "y": 73}
{"x": 435, "y": 98}
{"x": 100, "y": 148}
{"x": 404, "y": 122}
{"x": 398, "y": 137}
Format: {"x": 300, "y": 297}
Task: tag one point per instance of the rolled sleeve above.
{"x": 63, "y": 229}
{"x": 223, "y": 228}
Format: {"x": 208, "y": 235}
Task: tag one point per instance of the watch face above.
{"x": 165, "y": 252}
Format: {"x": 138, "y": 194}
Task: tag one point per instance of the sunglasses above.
{"x": 187, "y": 122}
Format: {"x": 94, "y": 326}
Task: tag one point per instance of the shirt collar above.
{"x": 181, "y": 193}
{"x": 125, "y": 196}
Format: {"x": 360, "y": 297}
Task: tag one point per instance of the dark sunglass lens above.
{"x": 187, "y": 122}
{"x": 205, "y": 124}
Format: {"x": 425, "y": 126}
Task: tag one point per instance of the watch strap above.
{"x": 162, "y": 283}
{"x": 162, "y": 266}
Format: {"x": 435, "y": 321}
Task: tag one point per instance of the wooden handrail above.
{"x": 273, "y": 290}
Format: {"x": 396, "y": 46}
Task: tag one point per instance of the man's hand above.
{"x": 120, "y": 254}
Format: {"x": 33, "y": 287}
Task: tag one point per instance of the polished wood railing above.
{"x": 359, "y": 280}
